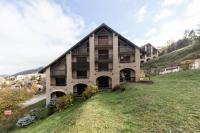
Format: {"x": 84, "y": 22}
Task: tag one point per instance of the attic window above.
{"x": 103, "y": 40}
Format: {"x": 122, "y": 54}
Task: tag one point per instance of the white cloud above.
{"x": 150, "y": 32}
{"x": 172, "y": 2}
{"x": 33, "y": 34}
{"x": 174, "y": 29}
{"x": 163, "y": 14}
{"x": 141, "y": 14}
{"x": 193, "y": 9}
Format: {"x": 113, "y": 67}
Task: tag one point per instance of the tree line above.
{"x": 189, "y": 36}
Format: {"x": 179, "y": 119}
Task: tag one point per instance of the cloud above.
{"x": 174, "y": 29}
{"x": 163, "y": 14}
{"x": 193, "y": 9}
{"x": 150, "y": 32}
{"x": 172, "y": 2}
{"x": 34, "y": 33}
{"x": 141, "y": 14}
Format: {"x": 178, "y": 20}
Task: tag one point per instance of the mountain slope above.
{"x": 171, "y": 104}
{"x": 175, "y": 57}
{"x": 30, "y": 71}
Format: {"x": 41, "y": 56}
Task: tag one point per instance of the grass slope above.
{"x": 175, "y": 57}
{"x": 171, "y": 104}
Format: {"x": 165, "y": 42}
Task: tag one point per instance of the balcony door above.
{"x": 103, "y": 54}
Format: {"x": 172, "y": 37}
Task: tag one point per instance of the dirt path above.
{"x": 33, "y": 100}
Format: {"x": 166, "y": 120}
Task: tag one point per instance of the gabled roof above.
{"x": 103, "y": 25}
{"x": 149, "y": 44}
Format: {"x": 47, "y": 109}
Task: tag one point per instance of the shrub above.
{"x": 90, "y": 91}
{"x": 87, "y": 94}
{"x": 24, "y": 121}
{"x": 51, "y": 106}
{"x": 9, "y": 99}
{"x": 64, "y": 102}
{"x": 118, "y": 88}
{"x": 39, "y": 113}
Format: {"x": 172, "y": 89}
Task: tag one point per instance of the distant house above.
{"x": 170, "y": 69}
{"x": 151, "y": 53}
{"x": 21, "y": 77}
{"x": 103, "y": 57}
{"x": 195, "y": 64}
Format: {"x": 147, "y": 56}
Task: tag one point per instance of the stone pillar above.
{"x": 92, "y": 59}
{"x": 151, "y": 52}
{"x": 48, "y": 82}
{"x": 116, "y": 71}
{"x": 145, "y": 55}
{"x": 137, "y": 61}
{"x": 69, "y": 73}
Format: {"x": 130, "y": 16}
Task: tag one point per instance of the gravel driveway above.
{"x": 33, "y": 100}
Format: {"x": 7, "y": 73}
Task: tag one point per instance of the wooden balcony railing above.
{"x": 76, "y": 53}
{"x": 104, "y": 57}
{"x": 100, "y": 46}
{"x": 128, "y": 52}
{"x": 80, "y": 65}
{"x": 58, "y": 72}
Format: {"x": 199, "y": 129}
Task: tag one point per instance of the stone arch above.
{"x": 104, "y": 82}
{"x": 78, "y": 89}
{"x": 57, "y": 94}
{"x": 127, "y": 75}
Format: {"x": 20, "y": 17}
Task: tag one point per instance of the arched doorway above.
{"x": 148, "y": 59}
{"x": 104, "y": 82}
{"x": 57, "y": 94}
{"x": 78, "y": 89}
{"x": 127, "y": 75}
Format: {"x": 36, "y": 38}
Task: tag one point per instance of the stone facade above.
{"x": 67, "y": 74}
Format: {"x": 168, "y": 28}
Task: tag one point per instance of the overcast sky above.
{"x": 35, "y": 32}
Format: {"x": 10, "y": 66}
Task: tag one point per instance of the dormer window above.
{"x": 103, "y": 40}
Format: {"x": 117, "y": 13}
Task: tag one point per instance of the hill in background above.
{"x": 30, "y": 71}
{"x": 176, "y": 57}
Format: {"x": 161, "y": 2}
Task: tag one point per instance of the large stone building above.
{"x": 151, "y": 53}
{"x": 103, "y": 57}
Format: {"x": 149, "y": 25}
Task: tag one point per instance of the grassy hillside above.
{"x": 175, "y": 57}
{"x": 171, "y": 104}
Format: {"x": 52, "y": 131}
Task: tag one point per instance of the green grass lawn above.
{"x": 171, "y": 104}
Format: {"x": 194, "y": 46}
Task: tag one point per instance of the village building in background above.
{"x": 151, "y": 53}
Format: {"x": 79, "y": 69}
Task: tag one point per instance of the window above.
{"x": 60, "y": 81}
{"x": 103, "y": 40}
{"x": 81, "y": 74}
{"x": 103, "y": 66}
{"x": 103, "y": 54}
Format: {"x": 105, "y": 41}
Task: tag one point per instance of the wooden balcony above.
{"x": 126, "y": 52}
{"x": 80, "y": 65}
{"x": 103, "y": 46}
{"x": 104, "y": 58}
{"x": 80, "y": 53}
{"x": 60, "y": 73}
